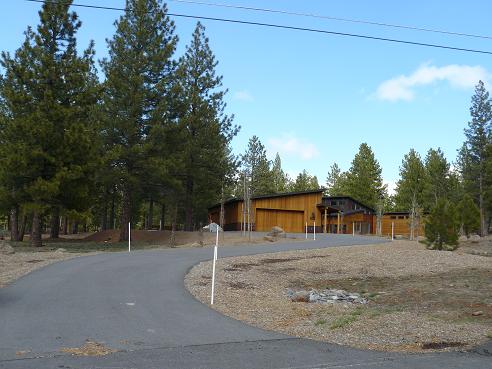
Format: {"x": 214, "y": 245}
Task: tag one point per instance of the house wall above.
{"x": 402, "y": 225}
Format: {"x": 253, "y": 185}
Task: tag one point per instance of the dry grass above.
{"x": 90, "y": 348}
{"x": 420, "y": 299}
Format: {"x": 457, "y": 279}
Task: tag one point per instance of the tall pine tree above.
{"x": 50, "y": 92}
{"x": 205, "y": 130}
{"x": 138, "y": 80}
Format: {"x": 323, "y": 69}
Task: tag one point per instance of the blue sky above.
{"x": 314, "y": 98}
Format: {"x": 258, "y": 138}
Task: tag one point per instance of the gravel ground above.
{"x": 16, "y": 265}
{"x": 254, "y": 289}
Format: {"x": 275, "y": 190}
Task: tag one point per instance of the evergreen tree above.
{"x": 478, "y": 136}
{"x": 469, "y": 215}
{"x": 436, "y": 178}
{"x": 257, "y": 168}
{"x": 364, "y": 179}
{"x": 409, "y": 190}
{"x": 206, "y": 131}
{"x": 279, "y": 178}
{"x": 47, "y": 147}
{"x": 336, "y": 181}
{"x": 305, "y": 182}
{"x": 138, "y": 79}
{"x": 442, "y": 226}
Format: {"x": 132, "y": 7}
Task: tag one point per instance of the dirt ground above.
{"x": 419, "y": 300}
{"x": 16, "y": 265}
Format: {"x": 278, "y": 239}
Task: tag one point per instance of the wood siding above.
{"x": 402, "y": 225}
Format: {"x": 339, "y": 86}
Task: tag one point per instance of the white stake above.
{"x": 306, "y": 230}
{"x": 353, "y": 229}
{"x": 213, "y": 267}
{"x": 392, "y": 231}
{"x": 129, "y": 237}
{"x": 314, "y": 231}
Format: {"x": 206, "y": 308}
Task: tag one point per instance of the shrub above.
{"x": 442, "y": 226}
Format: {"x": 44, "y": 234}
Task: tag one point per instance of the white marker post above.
{"x": 306, "y": 230}
{"x": 129, "y": 237}
{"x": 353, "y": 229}
{"x": 314, "y": 231}
{"x": 392, "y": 231}
{"x": 213, "y": 266}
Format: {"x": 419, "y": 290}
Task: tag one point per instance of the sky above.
{"x": 314, "y": 98}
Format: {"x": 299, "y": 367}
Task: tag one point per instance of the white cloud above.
{"x": 243, "y": 96}
{"x": 290, "y": 145}
{"x": 402, "y": 87}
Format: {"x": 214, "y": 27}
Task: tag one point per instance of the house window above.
{"x": 334, "y": 203}
{"x": 401, "y": 217}
{"x": 393, "y": 217}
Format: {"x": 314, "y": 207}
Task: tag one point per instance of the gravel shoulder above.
{"x": 419, "y": 300}
{"x": 19, "y": 264}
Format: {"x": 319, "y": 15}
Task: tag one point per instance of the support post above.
{"x": 213, "y": 266}
{"x": 326, "y": 217}
{"x": 392, "y": 231}
{"x": 314, "y": 231}
{"x": 306, "y": 230}
{"x": 129, "y": 237}
{"x": 353, "y": 229}
{"x": 338, "y": 225}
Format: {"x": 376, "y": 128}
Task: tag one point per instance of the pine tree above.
{"x": 279, "y": 178}
{"x": 436, "y": 178}
{"x": 305, "y": 182}
{"x": 336, "y": 181}
{"x": 469, "y": 215}
{"x": 138, "y": 80}
{"x": 206, "y": 131}
{"x": 364, "y": 179}
{"x": 50, "y": 92}
{"x": 257, "y": 168}
{"x": 409, "y": 190}
{"x": 442, "y": 226}
{"x": 478, "y": 136}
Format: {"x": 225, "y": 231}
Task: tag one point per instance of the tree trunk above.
{"x": 75, "y": 227}
{"x": 163, "y": 215}
{"x": 36, "y": 240}
{"x": 55, "y": 223}
{"x": 189, "y": 205}
{"x": 65, "y": 225}
{"x": 125, "y": 213}
{"x": 112, "y": 211}
{"x": 22, "y": 228}
{"x": 104, "y": 215}
{"x": 150, "y": 217}
{"x": 14, "y": 230}
{"x": 483, "y": 230}
{"x": 173, "y": 227}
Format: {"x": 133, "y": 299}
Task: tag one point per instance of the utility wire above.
{"x": 279, "y": 26}
{"x": 311, "y": 15}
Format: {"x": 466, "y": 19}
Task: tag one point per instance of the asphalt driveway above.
{"x": 136, "y": 303}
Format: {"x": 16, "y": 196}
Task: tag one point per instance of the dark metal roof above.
{"x": 348, "y": 198}
{"x": 282, "y": 194}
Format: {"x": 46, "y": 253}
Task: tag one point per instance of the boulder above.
{"x": 277, "y": 232}
{"x": 462, "y": 238}
{"x": 475, "y": 238}
{"x": 269, "y": 238}
{"x": 5, "y": 248}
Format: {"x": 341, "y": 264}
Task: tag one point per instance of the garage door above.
{"x": 289, "y": 220}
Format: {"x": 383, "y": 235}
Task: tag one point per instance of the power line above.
{"x": 327, "y": 17}
{"x": 293, "y": 28}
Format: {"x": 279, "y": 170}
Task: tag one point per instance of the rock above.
{"x": 462, "y": 238}
{"x": 60, "y": 250}
{"x": 326, "y": 297}
{"x": 477, "y": 313}
{"x": 301, "y": 296}
{"x": 475, "y": 238}
{"x": 269, "y": 238}
{"x": 5, "y": 248}
{"x": 277, "y": 232}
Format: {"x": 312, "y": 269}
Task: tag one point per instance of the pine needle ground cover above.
{"x": 419, "y": 300}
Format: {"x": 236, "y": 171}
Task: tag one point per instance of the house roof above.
{"x": 348, "y": 198}
{"x": 282, "y": 194}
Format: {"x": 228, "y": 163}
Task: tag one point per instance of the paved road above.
{"x": 137, "y": 303}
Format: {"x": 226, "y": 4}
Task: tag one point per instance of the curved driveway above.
{"x": 136, "y": 302}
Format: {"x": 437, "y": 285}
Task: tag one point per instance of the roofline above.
{"x": 351, "y": 198}
{"x": 282, "y": 194}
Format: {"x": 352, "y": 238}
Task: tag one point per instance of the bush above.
{"x": 469, "y": 215}
{"x": 442, "y": 226}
